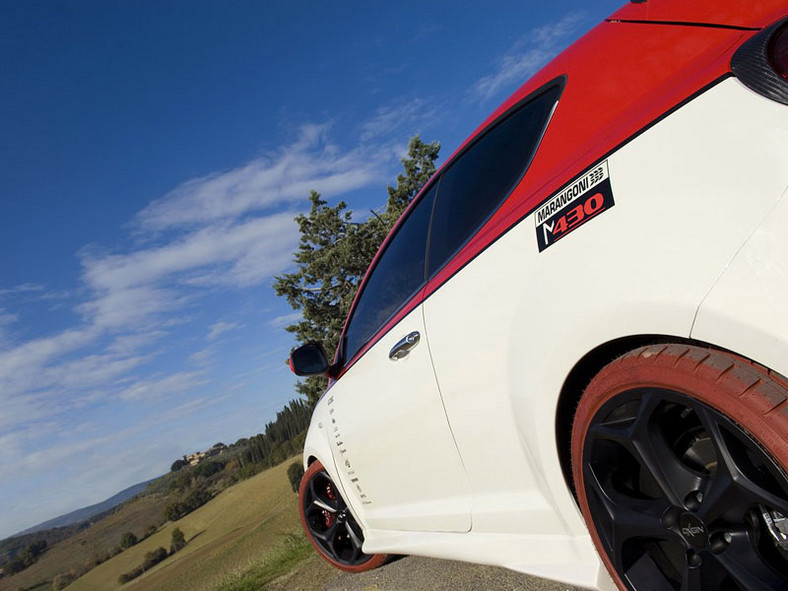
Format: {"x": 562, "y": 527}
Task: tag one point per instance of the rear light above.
{"x": 778, "y": 51}
{"x": 761, "y": 63}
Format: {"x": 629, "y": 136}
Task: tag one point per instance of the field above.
{"x": 246, "y": 536}
{"x": 83, "y": 547}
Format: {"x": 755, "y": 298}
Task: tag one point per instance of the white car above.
{"x": 568, "y": 357}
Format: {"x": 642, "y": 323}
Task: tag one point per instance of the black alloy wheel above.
{"x": 680, "y": 496}
{"x": 330, "y": 525}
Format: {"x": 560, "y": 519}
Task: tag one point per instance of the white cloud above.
{"x": 407, "y": 117}
{"x": 284, "y": 320}
{"x": 23, "y": 288}
{"x": 526, "y": 56}
{"x": 6, "y": 320}
{"x": 21, "y": 365}
{"x": 133, "y": 289}
{"x": 219, "y": 328}
{"x": 286, "y": 176}
{"x": 157, "y": 388}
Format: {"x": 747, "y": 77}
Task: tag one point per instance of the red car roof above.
{"x": 734, "y": 13}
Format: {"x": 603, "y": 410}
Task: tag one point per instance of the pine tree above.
{"x": 334, "y": 254}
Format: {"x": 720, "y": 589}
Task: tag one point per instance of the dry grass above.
{"x": 246, "y": 526}
{"x": 83, "y": 547}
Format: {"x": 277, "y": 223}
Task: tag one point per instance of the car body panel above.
{"x": 605, "y": 107}
{"x": 758, "y": 13}
{"x": 640, "y": 282}
{"x": 696, "y": 165}
{"x": 391, "y": 412}
{"x": 746, "y": 310}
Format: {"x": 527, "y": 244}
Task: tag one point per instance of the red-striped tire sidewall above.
{"x": 375, "y": 560}
{"x": 752, "y": 396}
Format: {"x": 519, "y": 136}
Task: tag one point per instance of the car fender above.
{"x": 745, "y": 312}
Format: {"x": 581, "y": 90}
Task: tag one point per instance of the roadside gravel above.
{"x": 414, "y": 573}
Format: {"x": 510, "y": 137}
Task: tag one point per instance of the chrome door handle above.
{"x": 403, "y": 347}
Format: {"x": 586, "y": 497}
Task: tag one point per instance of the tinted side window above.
{"x": 398, "y": 274}
{"x": 484, "y": 175}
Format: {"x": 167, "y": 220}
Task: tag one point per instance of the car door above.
{"x": 392, "y": 445}
{"x": 472, "y": 358}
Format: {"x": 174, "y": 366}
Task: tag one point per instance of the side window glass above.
{"x": 484, "y": 175}
{"x": 398, "y": 274}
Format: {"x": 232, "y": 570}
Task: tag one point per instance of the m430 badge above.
{"x": 573, "y": 206}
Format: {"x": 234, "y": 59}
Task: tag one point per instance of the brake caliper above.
{"x": 777, "y": 524}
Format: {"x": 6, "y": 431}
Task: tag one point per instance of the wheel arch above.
{"x": 581, "y": 374}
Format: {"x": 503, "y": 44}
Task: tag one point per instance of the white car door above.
{"x": 393, "y": 448}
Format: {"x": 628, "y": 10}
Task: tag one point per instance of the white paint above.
{"x": 505, "y": 332}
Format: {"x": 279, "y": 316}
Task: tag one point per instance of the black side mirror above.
{"x": 309, "y": 360}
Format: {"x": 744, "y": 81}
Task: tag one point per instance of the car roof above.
{"x": 734, "y": 13}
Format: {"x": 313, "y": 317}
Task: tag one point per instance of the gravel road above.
{"x": 414, "y": 573}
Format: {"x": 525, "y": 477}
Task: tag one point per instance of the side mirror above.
{"x": 309, "y": 360}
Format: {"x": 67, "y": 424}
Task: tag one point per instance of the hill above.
{"x": 86, "y": 513}
{"x": 254, "y": 522}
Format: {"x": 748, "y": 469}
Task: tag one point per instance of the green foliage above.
{"x": 334, "y": 254}
{"x": 63, "y": 580}
{"x": 195, "y": 499}
{"x": 207, "y": 468}
{"x": 26, "y": 557}
{"x": 150, "y": 530}
{"x": 178, "y": 464}
{"x": 294, "y": 473}
{"x": 127, "y": 540}
{"x": 419, "y": 167}
{"x": 283, "y": 438}
{"x": 178, "y": 540}
{"x": 151, "y": 559}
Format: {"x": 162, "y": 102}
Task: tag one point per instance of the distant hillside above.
{"x": 86, "y": 513}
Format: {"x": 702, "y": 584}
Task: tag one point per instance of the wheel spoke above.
{"x": 691, "y": 580}
{"x": 324, "y": 505}
{"x": 328, "y": 535}
{"x": 355, "y": 538}
{"x": 730, "y": 489}
{"x": 744, "y": 563}
{"x": 628, "y": 517}
{"x": 645, "y": 569}
{"x": 643, "y": 440}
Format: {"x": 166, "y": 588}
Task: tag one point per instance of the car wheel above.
{"x": 330, "y": 525}
{"x": 679, "y": 458}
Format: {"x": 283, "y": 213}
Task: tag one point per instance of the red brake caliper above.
{"x": 329, "y": 518}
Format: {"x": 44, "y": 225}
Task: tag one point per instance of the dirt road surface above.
{"x": 414, "y": 573}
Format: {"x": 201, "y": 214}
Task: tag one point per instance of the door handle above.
{"x": 403, "y": 347}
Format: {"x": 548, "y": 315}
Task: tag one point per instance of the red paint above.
{"x": 620, "y": 78}
{"x": 750, "y": 13}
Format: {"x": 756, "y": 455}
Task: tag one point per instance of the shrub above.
{"x": 127, "y": 540}
{"x": 295, "y": 472}
{"x": 62, "y": 580}
{"x": 178, "y": 540}
{"x": 178, "y": 464}
{"x": 153, "y": 558}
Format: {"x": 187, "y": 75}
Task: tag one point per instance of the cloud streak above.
{"x": 527, "y": 55}
{"x": 283, "y": 177}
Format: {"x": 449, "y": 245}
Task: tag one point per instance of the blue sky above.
{"x": 152, "y": 159}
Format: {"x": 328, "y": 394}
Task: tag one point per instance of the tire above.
{"x": 679, "y": 458}
{"x": 330, "y": 525}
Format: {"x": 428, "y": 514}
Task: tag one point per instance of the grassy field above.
{"x": 248, "y": 535}
{"x": 81, "y": 548}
